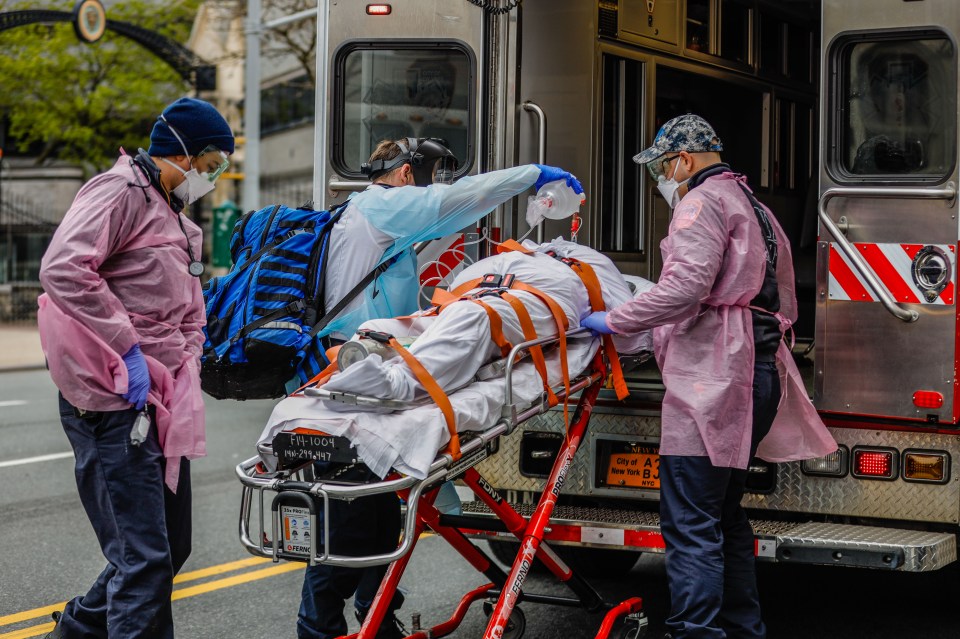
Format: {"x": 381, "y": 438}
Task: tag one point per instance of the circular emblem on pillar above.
{"x": 89, "y": 20}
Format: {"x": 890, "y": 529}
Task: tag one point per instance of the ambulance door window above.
{"x": 894, "y": 108}
{"x": 390, "y": 90}
{"x": 621, "y": 179}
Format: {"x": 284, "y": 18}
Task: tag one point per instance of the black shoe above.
{"x": 55, "y": 633}
{"x": 390, "y": 627}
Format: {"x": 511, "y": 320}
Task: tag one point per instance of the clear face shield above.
{"x": 212, "y": 162}
{"x": 444, "y": 170}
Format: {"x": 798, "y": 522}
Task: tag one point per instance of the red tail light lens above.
{"x": 379, "y": 9}
{"x": 875, "y": 463}
{"x": 927, "y": 399}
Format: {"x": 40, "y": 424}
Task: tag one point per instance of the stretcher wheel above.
{"x": 634, "y": 627}
{"x": 515, "y": 625}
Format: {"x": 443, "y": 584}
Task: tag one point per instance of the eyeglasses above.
{"x": 658, "y": 168}
{"x": 213, "y": 162}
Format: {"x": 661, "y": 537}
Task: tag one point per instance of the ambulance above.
{"x": 843, "y": 116}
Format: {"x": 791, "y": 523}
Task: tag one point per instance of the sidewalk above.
{"x": 20, "y": 348}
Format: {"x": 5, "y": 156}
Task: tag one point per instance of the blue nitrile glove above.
{"x": 553, "y": 173}
{"x": 138, "y": 377}
{"x": 597, "y": 323}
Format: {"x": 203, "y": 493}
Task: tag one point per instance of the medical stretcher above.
{"x": 296, "y": 496}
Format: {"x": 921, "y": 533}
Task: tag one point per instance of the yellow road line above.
{"x": 32, "y": 631}
{"x": 30, "y": 614}
{"x": 217, "y": 570}
{"x": 26, "y": 615}
{"x": 236, "y": 580}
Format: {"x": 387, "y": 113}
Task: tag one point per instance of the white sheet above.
{"x": 408, "y": 440}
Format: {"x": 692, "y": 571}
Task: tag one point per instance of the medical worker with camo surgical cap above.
{"x": 121, "y": 325}
{"x": 719, "y": 311}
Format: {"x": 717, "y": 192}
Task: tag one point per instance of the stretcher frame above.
{"x": 505, "y": 619}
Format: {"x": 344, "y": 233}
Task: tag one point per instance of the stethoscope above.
{"x": 196, "y": 267}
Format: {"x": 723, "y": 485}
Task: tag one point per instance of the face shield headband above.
{"x": 431, "y": 161}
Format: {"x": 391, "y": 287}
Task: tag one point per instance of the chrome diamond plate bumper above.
{"x": 795, "y": 492}
{"x": 787, "y": 542}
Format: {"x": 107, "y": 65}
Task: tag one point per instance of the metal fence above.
{"x": 25, "y": 233}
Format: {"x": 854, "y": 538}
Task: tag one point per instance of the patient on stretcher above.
{"x": 456, "y": 343}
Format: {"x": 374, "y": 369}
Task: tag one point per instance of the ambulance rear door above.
{"x": 887, "y": 254}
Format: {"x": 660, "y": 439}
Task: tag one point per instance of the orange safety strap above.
{"x": 496, "y": 328}
{"x": 466, "y": 286}
{"x": 592, "y": 283}
{"x": 513, "y": 245}
{"x": 536, "y": 352}
{"x": 442, "y": 299}
{"x": 320, "y": 378}
{"x": 562, "y": 324}
{"x": 436, "y": 393}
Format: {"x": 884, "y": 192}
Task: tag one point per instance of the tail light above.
{"x": 379, "y": 9}
{"x": 927, "y": 399}
{"x": 927, "y": 466}
{"x": 832, "y": 465}
{"x": 875, "y": 463}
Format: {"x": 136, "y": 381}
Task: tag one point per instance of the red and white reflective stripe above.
{"x": 893, "y": 266}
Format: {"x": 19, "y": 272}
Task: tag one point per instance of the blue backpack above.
{"x": 263, "y": 316}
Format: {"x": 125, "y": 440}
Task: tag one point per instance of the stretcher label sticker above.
{"x": 686, "y": 214}
{"x": 628, "y": 465}
{"x": 296, "y": 530}
{"x": 608, "y": 536}
{"x": 293, "y": 449}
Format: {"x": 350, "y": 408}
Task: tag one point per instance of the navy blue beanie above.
{"x": 197, "y": 123}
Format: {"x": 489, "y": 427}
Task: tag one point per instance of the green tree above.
{"x": 80, "y": 102}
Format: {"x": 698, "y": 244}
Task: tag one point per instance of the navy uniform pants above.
{"x": 143, "y": 528}
{"x": 370, "y": 525}
{"x": 710, "y": 544}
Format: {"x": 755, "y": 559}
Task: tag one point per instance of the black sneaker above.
{"x": 55, "y": 633}
{"x": 390, "y": 627}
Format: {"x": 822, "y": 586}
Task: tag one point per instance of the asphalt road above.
{"x": 50, "y": 554}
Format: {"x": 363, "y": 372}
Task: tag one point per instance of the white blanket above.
{"x": 408, "y": 440}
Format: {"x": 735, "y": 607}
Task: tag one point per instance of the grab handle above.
{"x": 949, "y": 192}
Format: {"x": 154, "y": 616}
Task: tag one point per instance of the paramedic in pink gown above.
{"x": 724, "y": 297}
{"x": 121, "y": 327}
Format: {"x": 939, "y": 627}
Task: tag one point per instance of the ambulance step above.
{"x": 787, "y": 542}
{"x": 867, "y": 546}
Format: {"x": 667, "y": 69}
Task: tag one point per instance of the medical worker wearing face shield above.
{"x": 413, "y": 198}
{"x": 719, "y": 311}
{"x": 121, "y": 327}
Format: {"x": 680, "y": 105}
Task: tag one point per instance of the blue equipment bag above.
{"x": 262, "y": 316}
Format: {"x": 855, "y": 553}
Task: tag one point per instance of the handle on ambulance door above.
{"x": 335, "y": 186}
{"x": 949, "y": 192}
{"x": 534, "y": 108}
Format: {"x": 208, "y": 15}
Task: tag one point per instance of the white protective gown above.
{"x": 455, "y": 344}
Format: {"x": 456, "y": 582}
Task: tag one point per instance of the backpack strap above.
{"x": 769, "y": 236}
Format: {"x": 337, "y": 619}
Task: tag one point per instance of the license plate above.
{"x": 622, "y": 464}
{"x": 296, "y": 530}
{"x": 295, "y": 449}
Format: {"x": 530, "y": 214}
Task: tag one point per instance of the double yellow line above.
{"x": 180, "y": 593}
